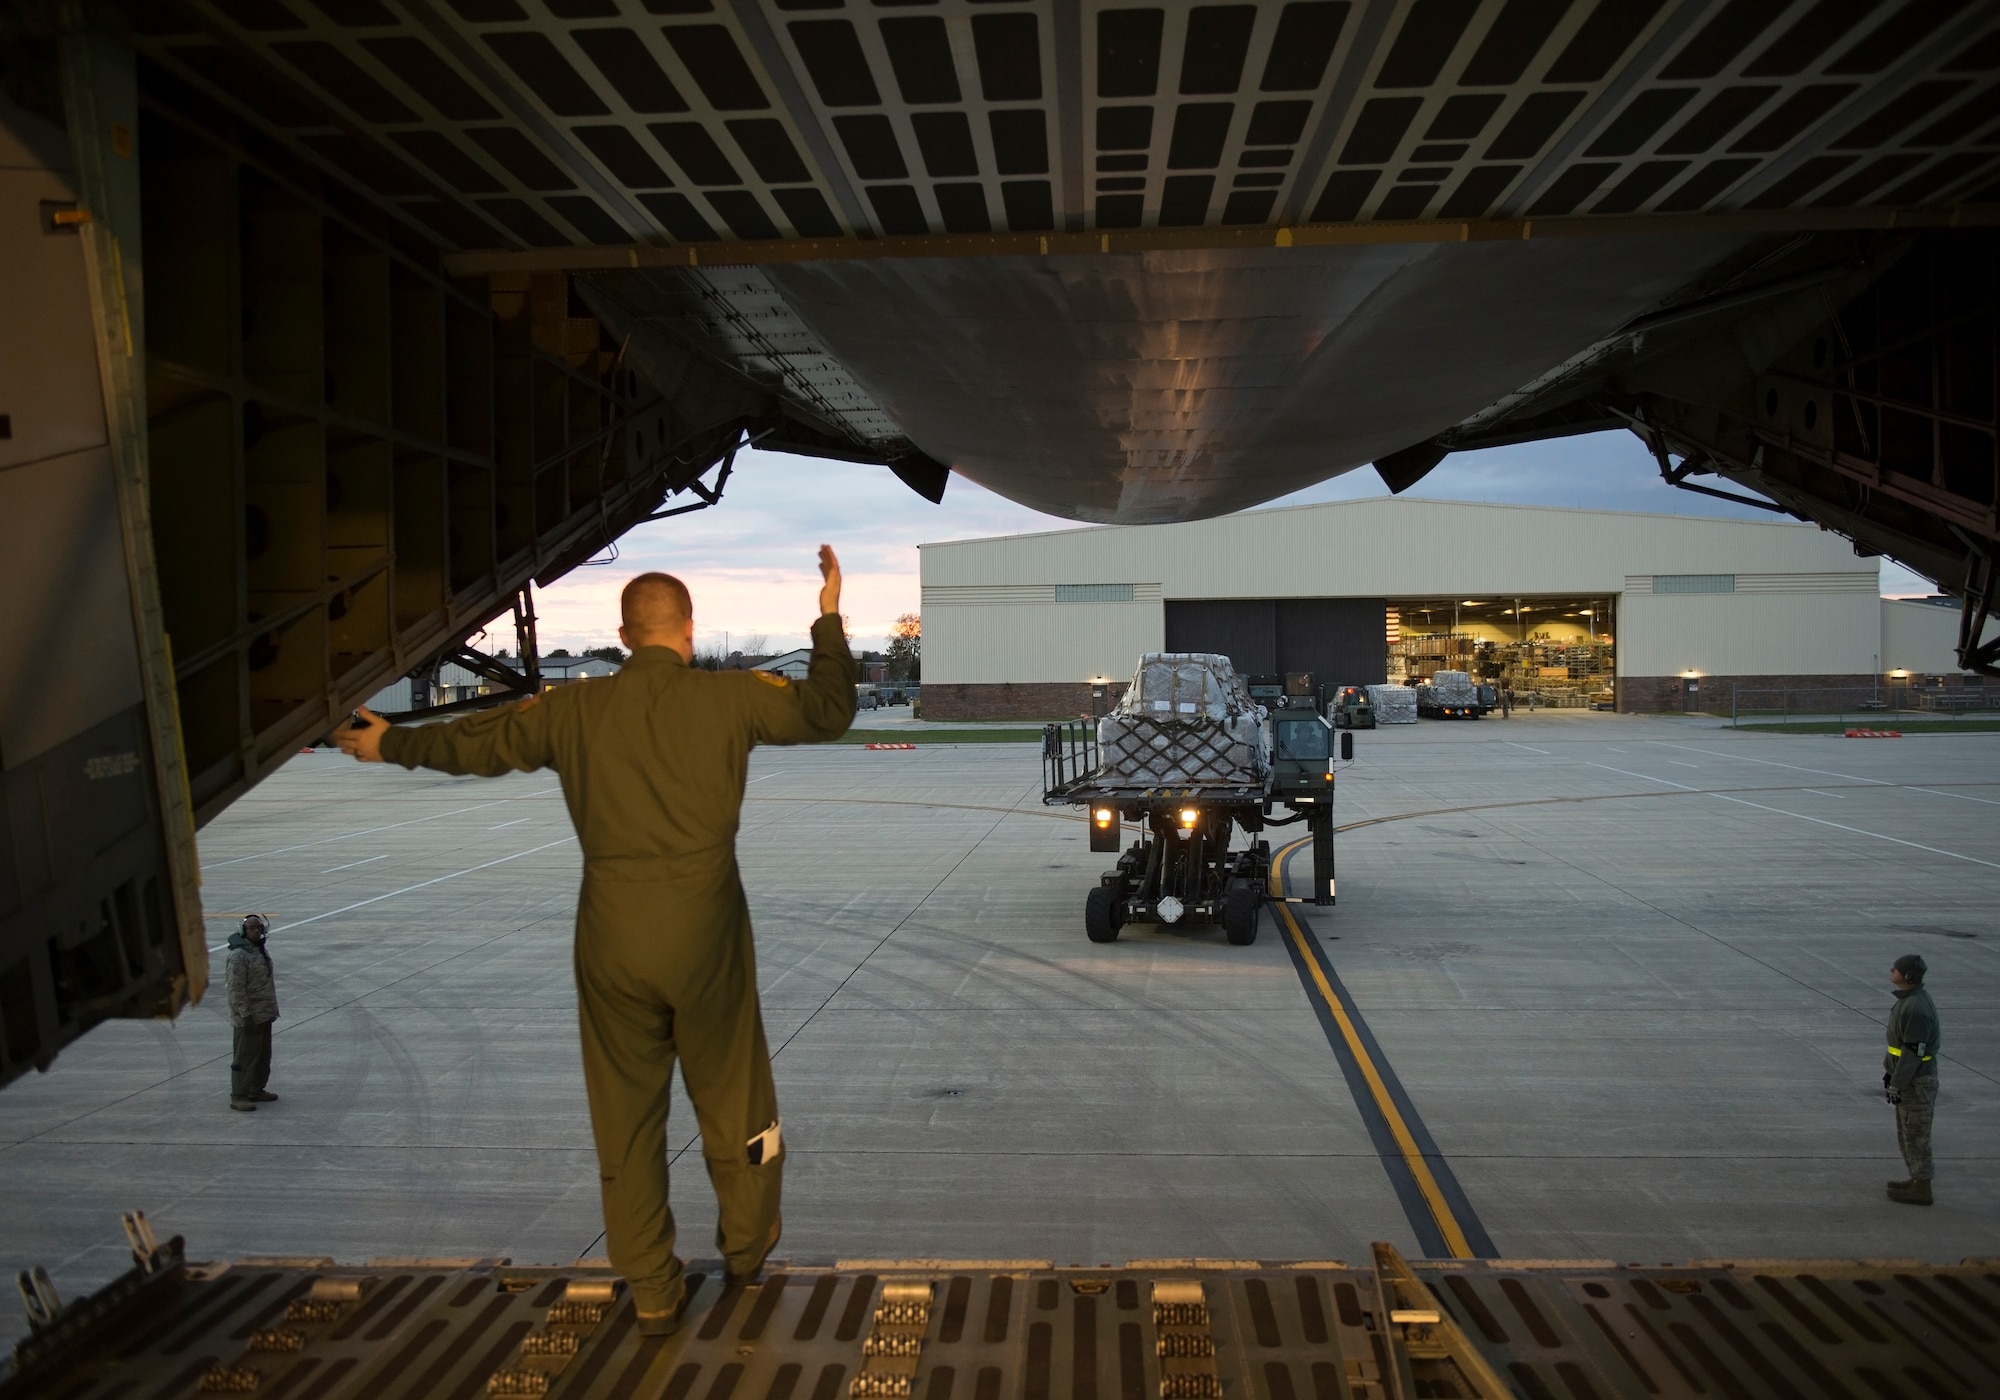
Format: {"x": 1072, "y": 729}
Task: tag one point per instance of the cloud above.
{"x": 750, "y": 562}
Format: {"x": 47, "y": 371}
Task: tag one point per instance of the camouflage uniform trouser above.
{"x": 1913, "y": 1125}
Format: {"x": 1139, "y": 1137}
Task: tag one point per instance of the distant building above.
{"x": 455, "y": 682}
{"x": 795, "y": 665}
{"x": 1571, "y": 607}
{"x": 792, "y": 665}
{"x": 557, "y": 669}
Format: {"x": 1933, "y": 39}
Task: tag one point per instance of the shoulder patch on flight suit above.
{"x": 771, "y": 678}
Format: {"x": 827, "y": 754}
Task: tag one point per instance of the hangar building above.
{"x": 1654, "y": 612}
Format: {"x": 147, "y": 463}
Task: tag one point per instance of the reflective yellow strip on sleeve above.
{"x": 1899, "y": 1054}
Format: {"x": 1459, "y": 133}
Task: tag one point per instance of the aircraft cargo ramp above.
{"x": 1166, "y": 1329}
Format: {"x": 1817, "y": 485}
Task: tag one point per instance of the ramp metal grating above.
{"x": 1001, "y": 1330}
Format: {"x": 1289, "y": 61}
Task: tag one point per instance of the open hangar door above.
{"x": 1340, "y": 641}
{"x": 1556, "y": 652}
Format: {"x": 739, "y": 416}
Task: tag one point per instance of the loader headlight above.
{"x": 1103, "y": 816}
{"x": 1190, "y": 815}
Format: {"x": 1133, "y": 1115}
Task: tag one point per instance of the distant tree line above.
{"x": 903, "y": 660}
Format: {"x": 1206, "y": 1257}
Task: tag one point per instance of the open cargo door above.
{"x": 99, "y": 910}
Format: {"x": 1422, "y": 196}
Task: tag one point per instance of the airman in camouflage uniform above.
{"x": 1910, "y": 1076}
{"x": 252, "y": 987}
{"x": 653, "y": 763}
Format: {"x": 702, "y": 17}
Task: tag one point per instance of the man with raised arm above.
{"x": 653, "y": 763}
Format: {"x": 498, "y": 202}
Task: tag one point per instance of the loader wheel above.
{"x": 1100, "y": 915}
{"x": 1239, "y": 913}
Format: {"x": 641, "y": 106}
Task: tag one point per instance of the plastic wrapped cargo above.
{"x": 1448, "y": 690}
{"x": 1394, "y": 704}
{"x": 1186, "y": 720}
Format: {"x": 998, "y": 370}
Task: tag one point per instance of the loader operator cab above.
{"x": 1302, "y": 753}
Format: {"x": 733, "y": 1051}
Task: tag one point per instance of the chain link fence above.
{"x": 1754, "y": 705}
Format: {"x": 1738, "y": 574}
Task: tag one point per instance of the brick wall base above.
{"x": 1637, "y": 695}
{"x": 1643, "y": 695}
{"x": 1013, "y": 700}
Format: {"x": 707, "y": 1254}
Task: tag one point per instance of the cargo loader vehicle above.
{"x": 1349, "y": 707}
{"x": 1189, "y": 758}
{"x": 1450, "y": 695}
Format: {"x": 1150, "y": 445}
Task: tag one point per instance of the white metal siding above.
{"x": 972, "y": 643}
{"x": 1922, "y": 637}
{"x": 1867, "y": 581}
{"x": 1395, "y": 548}
{"x": 391, "y": 698}
{"x": 1035, "y": 594}
{"x": 1738, "y": 634}
{"x": 1845, "y": 581}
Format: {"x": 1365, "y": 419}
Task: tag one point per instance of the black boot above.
{"x": 1915, "y": 1192}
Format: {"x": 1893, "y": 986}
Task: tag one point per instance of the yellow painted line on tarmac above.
{"x": 1413, "y": 1157}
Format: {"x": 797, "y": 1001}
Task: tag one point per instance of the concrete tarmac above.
{"x": 1631, "y": 974}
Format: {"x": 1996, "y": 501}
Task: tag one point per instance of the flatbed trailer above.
{"x": 1432, "y": 708}
{"x": 936, "y": 1329}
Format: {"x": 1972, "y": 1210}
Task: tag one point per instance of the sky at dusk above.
{"x": 750, "y": 562}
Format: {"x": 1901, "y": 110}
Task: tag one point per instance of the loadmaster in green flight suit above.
{"x": 652, "y": 762}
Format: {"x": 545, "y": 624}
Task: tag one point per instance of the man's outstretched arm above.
{"x": 513, "y": 738}
{"x": 822, "y": 705}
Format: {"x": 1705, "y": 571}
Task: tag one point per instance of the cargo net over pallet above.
{"x": 1186, "y": 720}
{"x": 1162, "y": 1329}
{"x": 1393, "y": 704}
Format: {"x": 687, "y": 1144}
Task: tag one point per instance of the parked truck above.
{"x": 1190, "y": 758}
{"x": 1449, "y": 695}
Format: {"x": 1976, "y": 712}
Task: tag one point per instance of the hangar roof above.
{"x": 1395, "y": 547}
